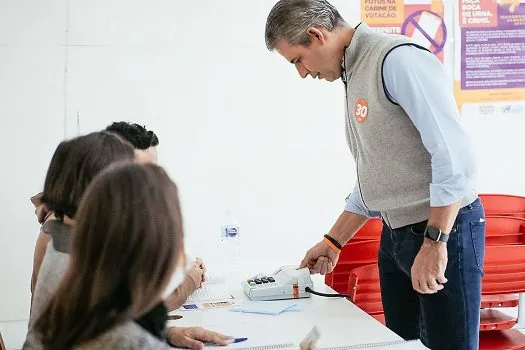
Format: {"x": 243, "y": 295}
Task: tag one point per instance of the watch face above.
{"x": 433, "y": 233}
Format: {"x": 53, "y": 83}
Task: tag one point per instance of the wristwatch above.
{"x": 436, "y": 235}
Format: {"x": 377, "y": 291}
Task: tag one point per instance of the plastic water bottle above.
{"x": 230, "y": 237}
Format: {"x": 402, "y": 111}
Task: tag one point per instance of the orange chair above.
{"x": 353, "y": 255}
{"x": 503, "y": 205}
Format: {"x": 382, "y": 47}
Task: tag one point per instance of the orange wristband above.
{"x": 331, "y": 245}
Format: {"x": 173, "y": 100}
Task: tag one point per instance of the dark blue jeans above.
{"x": 448, "y": 319}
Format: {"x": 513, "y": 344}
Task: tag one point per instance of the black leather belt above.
{"x": 419, "y": 228}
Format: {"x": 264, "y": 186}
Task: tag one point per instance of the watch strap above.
{"x": 442, "y": 236}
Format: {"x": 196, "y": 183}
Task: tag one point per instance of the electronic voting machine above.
{"x": 287, "y": 282}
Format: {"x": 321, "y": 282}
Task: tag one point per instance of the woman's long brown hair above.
{"x": 126, "y": 242}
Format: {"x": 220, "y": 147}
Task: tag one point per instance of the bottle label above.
{"x": 229, "y": 231}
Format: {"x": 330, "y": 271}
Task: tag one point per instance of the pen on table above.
{"x": 238, "y": 340}
{"x": 231, "y": 341}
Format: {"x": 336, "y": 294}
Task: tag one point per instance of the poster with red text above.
{"x": 490, "y": 51}
{"x": 421, "y": 20}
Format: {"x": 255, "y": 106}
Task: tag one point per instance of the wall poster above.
{"x": 490, "y": 53}
{"x": 421, "y": 20}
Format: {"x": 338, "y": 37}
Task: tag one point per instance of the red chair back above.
{"x": 504, "y": 272}
{"x": 370, "y": 231}
{"x": 503, "y": 230}
{"x": 503, "y": 275}
{"x": 511, "y": 339}
{"x": 503, "y": 205}
{"x": 353, "y": 255}
{"x": 364, "y": 289}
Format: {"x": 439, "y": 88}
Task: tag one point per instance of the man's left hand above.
{"x": 428, "y": 270}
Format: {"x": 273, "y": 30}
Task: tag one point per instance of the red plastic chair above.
{"x": 353, "y": 255}
{"x": 503, "y": 230}
{"x": 500, "y": 231}
{"x": 370, "y": 231}
{"x": 511, "y": 339}
{"x": 504, "y": 272}
{"x": 503, "y": 205}
{"x": 499, "y": 300}
{"x": 364, "y": 290}
{"x": 503, "y": 275}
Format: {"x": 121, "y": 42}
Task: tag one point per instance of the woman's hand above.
{"x": 196, "y": 273}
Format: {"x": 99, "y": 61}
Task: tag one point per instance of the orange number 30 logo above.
{"x": 361, "y": 110}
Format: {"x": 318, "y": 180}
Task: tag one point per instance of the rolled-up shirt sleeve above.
{"x": 354, "y": 204}
{"x": 416, "y": 80}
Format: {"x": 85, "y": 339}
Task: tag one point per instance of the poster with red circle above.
{"x": 421, "y": 20}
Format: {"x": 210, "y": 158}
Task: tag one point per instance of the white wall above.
{"x": 31, "y": 111}
{"x": 238, "y": 128}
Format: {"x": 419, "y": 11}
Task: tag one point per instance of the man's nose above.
{"x": 303, "y": 72}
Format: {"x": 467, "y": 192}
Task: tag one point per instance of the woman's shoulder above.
{"x": 60, "y": 232}
{"x": 128, "y": 335}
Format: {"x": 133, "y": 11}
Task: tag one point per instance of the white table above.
{"x": 339, "y": 322}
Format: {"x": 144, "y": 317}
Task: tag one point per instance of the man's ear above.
{"x": 316, "y": 34}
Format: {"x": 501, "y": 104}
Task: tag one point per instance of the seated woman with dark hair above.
{"x": 127, "y": 256}
{"x": 145, "y": 144}
{"x": 73, "y": 166}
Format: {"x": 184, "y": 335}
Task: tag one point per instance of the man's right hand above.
{"x": 320, "y": 259}
{"x": 195, "y": 337}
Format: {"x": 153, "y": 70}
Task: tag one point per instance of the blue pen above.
{"x": 238, "y": 340}
{"x": 232, "y": 341}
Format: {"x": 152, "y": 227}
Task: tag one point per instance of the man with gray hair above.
{"x": 415, "y": 169}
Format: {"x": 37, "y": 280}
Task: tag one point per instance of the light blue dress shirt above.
{"x": 416, "y": 80}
